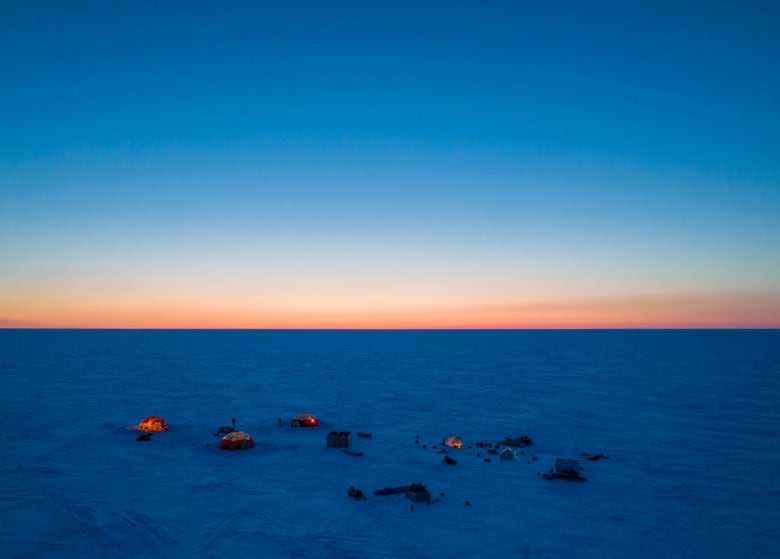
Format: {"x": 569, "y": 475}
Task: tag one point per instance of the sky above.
{"x": 389, "y": 164}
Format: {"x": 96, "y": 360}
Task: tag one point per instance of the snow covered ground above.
{"x": 690, "y": 421}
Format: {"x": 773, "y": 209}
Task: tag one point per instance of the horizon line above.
{"x": 389, "y": 329}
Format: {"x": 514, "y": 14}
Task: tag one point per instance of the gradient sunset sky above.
{"x": 389, "y": 164}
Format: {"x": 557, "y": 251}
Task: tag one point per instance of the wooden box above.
{"x": 339, "y": 439}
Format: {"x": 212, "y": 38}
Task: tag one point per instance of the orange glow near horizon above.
{"x": 649, "y": 311}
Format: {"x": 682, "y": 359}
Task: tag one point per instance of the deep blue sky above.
{"x": 502, "y": 153}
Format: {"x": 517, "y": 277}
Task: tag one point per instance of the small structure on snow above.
{"x": 304, "y": 420}
{"x": 339, "y": 439}
{"x": 453, "y": 442}
{"x": 565, "y": 468}
{"x": 507, "y": 454}
{"x": 152, "y": 424}
{"x": 237, "y": 440}
{"x": 418, "y": 493}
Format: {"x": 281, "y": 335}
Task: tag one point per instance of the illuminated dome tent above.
{"x": 453, "y": 442}
{"x": 152, "y": 424}
{"x": 237, "y": 440}
{"x": 304, "y": 420}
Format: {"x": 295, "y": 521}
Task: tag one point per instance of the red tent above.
{"x": 304, "y": 420}
{"x": 237, "y": 440}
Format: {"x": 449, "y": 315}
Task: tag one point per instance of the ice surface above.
{"x": 690, "y": 421}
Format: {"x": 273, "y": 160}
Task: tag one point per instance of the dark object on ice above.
{"x": 565, "y": 469}
{"x": 522, "y": 440}
{"x": 144, "y": 437}
{"x": 391, "y": 490}
{"x": 593, "y": 457}
{"x": 356, "y": 493}
{"x": 351, "y": 452}
{"x": 449, "y": 460}
{"x": 279, "y": 419}
{"x": 339, "y": 439}
{"x": 304, "y": 420}
{"x": 418, "y": 493}
{"x": 364, "y": 434}
{"x": 486, "y": 459}
{"x": 492, "y": 451}
{"x": 225, "y": 429}
{"x": 468, "y": 503}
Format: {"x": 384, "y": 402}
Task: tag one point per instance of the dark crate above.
{"x": 339, "y": 439}
{"x": 418, "y": 493}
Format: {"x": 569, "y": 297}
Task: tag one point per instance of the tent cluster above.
{"x": 232, "y": 439}
{"x": 239, "y": 440}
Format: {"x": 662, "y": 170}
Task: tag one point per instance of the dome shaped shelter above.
{"x": 152, "y": 424}
{"x": 453, "y": 442}
{"x": 237, "y": 440}
{"x": 304, "y": 420}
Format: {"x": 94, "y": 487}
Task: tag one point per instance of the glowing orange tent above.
{"x": 152, "y": 424}
{"x": 304, "y": 420}
{"x": 453, "y": 442}
{"x": 237, "y": 440}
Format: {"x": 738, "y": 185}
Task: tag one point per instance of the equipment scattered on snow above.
{"x": 522, "y": 440}
{"x": 567, "y": 469}
{"x": 356, "y": 493}
{"x": 593, "y": 457}
{"x": 391, "y": 490}
{"x": 225, "y": 429}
